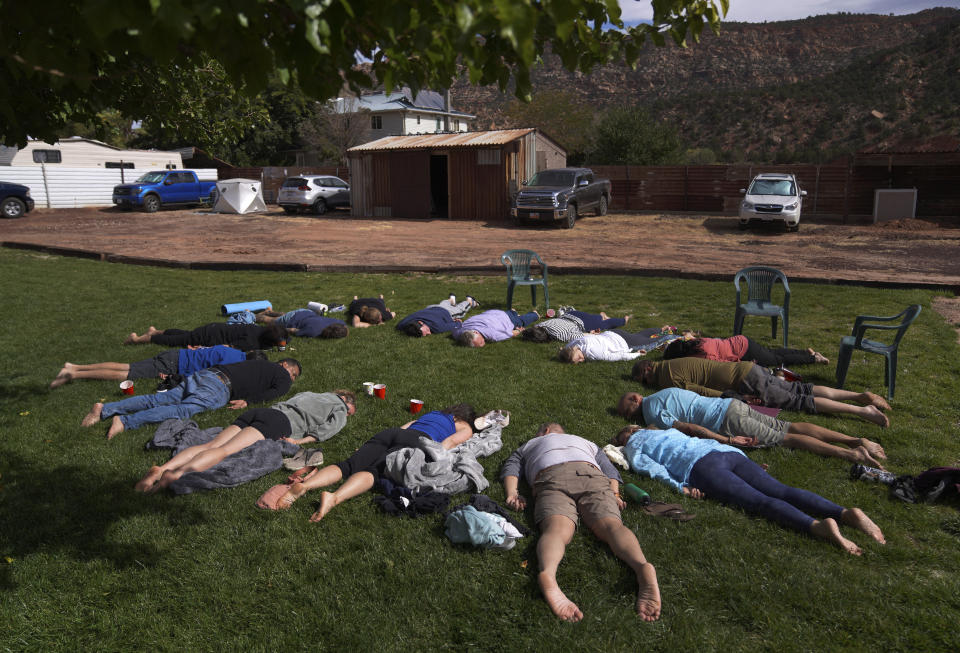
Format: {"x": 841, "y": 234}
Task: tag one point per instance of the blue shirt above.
{"x": 438, "y": 319}
{"x": 669, "y": 455}
{"x": 308, "y": 324}
{"x": 194, "y": 360}
{"x": 438, "y": 426}
{"x": 663, "y": 408}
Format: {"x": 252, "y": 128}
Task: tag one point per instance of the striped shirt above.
{"x": 564, "y": 328}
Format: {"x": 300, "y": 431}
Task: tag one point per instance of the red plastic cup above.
{"x": 126, "y": 387}
{"x": 416, "y": 406}
{"x": 380, "y": 391}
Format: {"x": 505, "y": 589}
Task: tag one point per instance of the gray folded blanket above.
{"x": 252, "y": 462}
{"x": 431, "y": 467}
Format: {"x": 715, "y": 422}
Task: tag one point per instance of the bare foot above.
{"x": 327, "y": 501}
{"x": 875, "y": 400}
{"x": 131, "y": 339}
{"x": 93, "y": 416}
{"x": 116, "y": 427}
{"x": 295, "y": 492}
{"x": 872, "y": 414}
{"x": 859, "y": 520}
{"x": 166, "y": 479}
{"x": 626, "y": 319}
{"x": 875, "y": 449}
{"x": 561, "y": 606}
{"x": 648, "y": 594}
{"x": 147, "y": 481}
{"x": 152, "y": 330}
{"x": 62, "y": 378}
{"x": 817, "y": 356}
{"x": 604, "y": 315}
{"x": 828, "y": 530}
{"x": 861, "y": 455}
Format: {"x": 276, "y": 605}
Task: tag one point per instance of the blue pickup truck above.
{"x": 163, "y": 188}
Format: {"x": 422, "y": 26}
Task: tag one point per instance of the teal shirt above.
{"x": 662, "y": 409}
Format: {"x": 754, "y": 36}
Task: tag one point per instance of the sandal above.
{"x": 672, "y": 511}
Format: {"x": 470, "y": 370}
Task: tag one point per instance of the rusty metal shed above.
{"x": 465, "y": 176}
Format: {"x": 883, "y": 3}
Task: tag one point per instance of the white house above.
{"x": 402, "y": 113}
{"x": 77, "y": 152}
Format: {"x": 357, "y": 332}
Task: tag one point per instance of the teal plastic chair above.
{"x": 856, "y": 340}
{"x": 518, "y": 263}
{"x": 760, "y": 281}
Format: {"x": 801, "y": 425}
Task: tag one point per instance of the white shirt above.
{"x": 606, "y": 346}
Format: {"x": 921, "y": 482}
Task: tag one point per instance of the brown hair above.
{"x": 370, "y": 315}
{"x": 349, "y": 398}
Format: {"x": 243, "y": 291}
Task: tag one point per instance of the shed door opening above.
{"x": 439, "y": 187}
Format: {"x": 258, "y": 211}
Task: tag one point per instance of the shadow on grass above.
{"x": 73, "y": 511}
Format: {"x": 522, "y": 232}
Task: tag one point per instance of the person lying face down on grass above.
{"x": 570, "y": 324}
{"x": 741, "y": 348}
{"x": 368, "y": 311}
{"x": 436, "y": 318}
{"x": 173, "y": 361}
{"x": 572, "y": 478}
{"x": 450, "y": 427}
{"x": 244, "y": 337}
{"x": 757, "y": 385}
{"x": 700, "y": 468}
{"x": 234, "y": 384}
{"x": 305, "y": 417}
{"x": 734, "y": 422}
{"x": 492, "y": 326}
{"x": 304, "y": 323}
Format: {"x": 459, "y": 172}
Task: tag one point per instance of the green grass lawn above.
{"x": 88, "y": 564}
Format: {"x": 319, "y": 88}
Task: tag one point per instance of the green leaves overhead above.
{"x": 76, "y": 53}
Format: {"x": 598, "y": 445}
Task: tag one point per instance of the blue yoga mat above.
{"x": 230, "y": 309}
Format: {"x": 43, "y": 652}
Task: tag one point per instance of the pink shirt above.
{"x": 724, "y": 349}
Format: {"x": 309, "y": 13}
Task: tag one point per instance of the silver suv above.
{"x": 313, "y": 193}
{"x": 772, "y": 197}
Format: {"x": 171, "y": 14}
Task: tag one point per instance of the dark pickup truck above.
{"x": 561, "y": 194}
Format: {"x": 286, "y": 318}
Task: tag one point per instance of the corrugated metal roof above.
{"x": 431, "y": 141}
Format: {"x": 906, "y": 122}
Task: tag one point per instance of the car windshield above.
{"x": 553, "y": 178}
{"x": 771, "y": 187}
{"x": 152, "y": 178}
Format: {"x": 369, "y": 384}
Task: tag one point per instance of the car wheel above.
{"x": 602, "y": 207}
{"x": 320, "y": 207}
{"x": 795, "y": 228}
{"x": 571, "y": 216}
{"x": 13, "y": 207}
{"x": 151, "y": 203}
{"x": 743, "y": 225}
{"x": 213, "y": 197}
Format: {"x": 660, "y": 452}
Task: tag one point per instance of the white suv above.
{"x": 772, "y": 196}
{"x": 314, "y": 193}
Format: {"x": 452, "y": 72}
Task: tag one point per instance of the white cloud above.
{"x": 758, "y": 11}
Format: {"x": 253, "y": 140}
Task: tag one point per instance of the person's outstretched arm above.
{"x": 697, "y": 431}
{"x": 514, "y": 499}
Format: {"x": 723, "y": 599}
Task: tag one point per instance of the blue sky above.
{"x": 758, "y": 11}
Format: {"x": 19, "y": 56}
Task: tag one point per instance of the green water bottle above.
{"x": 636, "y": 495}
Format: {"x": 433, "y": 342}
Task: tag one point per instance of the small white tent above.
{"x": 239, "y": 196}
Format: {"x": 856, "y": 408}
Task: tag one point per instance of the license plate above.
{"x": 534, "y": 216}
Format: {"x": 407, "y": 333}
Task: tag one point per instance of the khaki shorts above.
{"x": 740, "y": 419}
{"x": 574, "y": 489}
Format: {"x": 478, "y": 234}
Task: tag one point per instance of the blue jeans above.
{"x": 284, "y": 319}
{"x": 733, "y": 478}
{"x": 199, "y": 392}
{"x": 593, "y": 321}
{"x": 522, "y": 320}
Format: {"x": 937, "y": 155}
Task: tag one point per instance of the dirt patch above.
{"x": 949, "y": 308}
{"x": 901, "y": 252}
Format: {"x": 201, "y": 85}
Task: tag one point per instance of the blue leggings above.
{"x": 733, "y": 478}
{"x": 593, "y": 321}
{"x": 522, "y": 320}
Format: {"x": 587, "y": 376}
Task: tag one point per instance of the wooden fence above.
{"x": 844, "y": 190}
{"x": 831, "y": 189}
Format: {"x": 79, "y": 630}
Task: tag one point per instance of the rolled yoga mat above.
{"x": 230, "y": 309}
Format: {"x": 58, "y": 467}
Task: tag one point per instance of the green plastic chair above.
{"x": 518, "y": 263}
{"x": 760, "y": 281}
{"x": 856, "y": 341}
